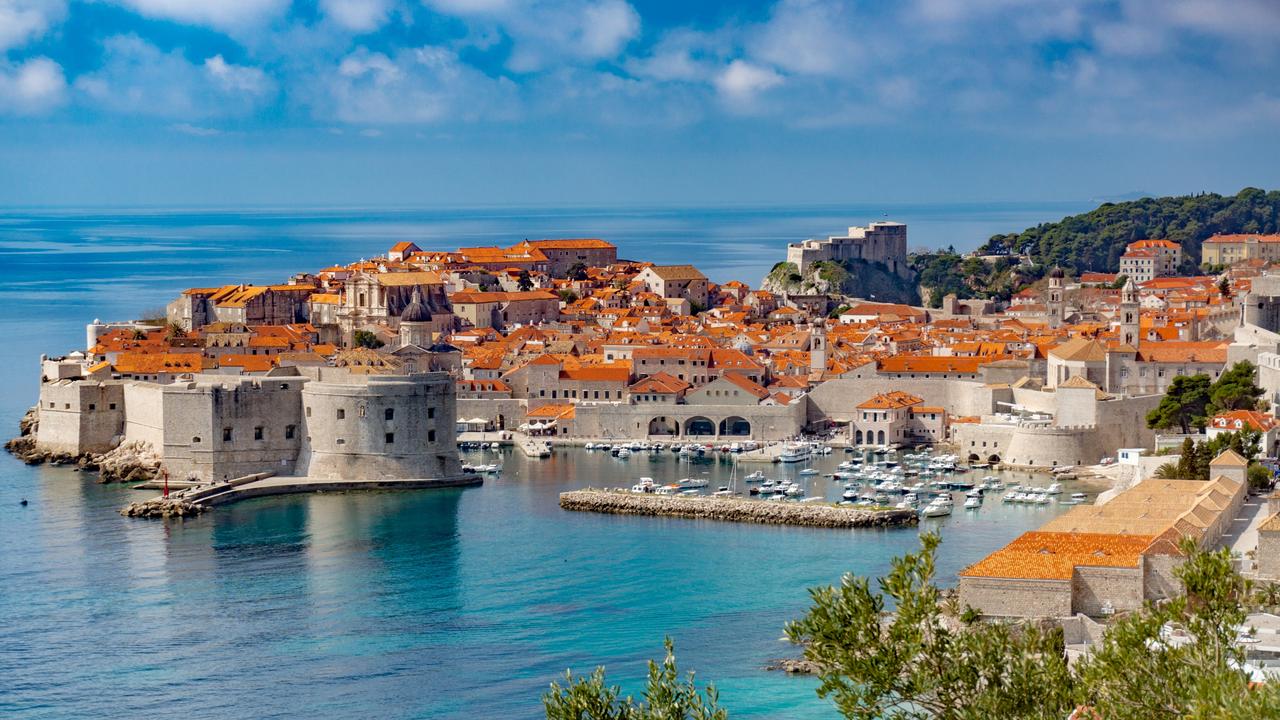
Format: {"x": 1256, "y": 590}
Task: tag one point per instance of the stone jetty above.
{"x": 162, "y": 508}
{"x": 620, "y": 502}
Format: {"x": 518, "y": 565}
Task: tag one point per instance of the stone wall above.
{"x": 78, "y": 417}
{"x": 377, "y": 426}
{"x": 1005, "y": 597}
{"x": 1093, "y": 587}
{"x": 1268, "y": 555}
{"x": 1158, "y": 580}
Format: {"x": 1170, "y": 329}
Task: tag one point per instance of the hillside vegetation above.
{"x": 1094, "y": 241}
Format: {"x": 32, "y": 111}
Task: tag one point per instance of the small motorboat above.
{"x": 755, "y": 477}
{"x": 972, "y": 503}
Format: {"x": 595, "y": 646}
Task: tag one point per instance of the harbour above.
{"x": 498, "y": 578}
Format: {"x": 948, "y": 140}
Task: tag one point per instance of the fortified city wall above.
{"x": 217, "y": 427}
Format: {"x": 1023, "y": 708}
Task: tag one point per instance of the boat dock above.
{"x": 621, "y": 502}
{"x": 266, "y": 485}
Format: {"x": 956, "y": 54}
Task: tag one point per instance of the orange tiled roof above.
{"x": 1056, "y": 555}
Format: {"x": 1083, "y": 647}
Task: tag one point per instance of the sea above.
{"x": 431, "y": 604}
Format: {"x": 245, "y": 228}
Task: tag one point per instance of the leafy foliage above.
{"x": 366, "y": 339}
{"x": 578, "y": 271}
{"x": 524, "y": 283}
{"x": 667, "y": 697}
{"x": 917, "y": 665}
{"x": 1235, "y": 389}
{"x": 1095, "y": 240}
{"x": 1175, "y": 659}
{"x": 1183, "y": 406}
{"x": 1179, "y": 659}
{"x": 945, "y": 272}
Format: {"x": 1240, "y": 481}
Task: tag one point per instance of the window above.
{"x": 257, "y": 433}
{"x": 92, "y": 406}
{"x": 284, "y": 386}
{"x": 195, "y": 440}
{"x": 431, "y": 436}
{"x": 226, "y": 434}
{"x": 390, "y": 438}
{"x": 308, "y": 411}
{"x": 342, "y": 414}
{"x": 112, "y": 406}
{"x": 340, "y": 441}
{"x": 288, "y": 432}
{"x": 389, "y": 414}
{"x": 66, "y": 406}
{"x": 431, "y": 413}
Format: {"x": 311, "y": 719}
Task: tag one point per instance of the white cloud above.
{"x": 810, "y": 36}
{"x": 32, "y": 87}
{"x": 24, "y": 20}
{"x": 220, "y": 14}
{"x": 682, "y": 55}
{"x": 549, "y": 32}
{"x": 357, "y": 15}
{"x": 742, "y": 81}
{"x": 420, "y": 85}
{"x": 137, "y": 78}
{"x": 237, "y": 78}
{"x": 195, "y": 130}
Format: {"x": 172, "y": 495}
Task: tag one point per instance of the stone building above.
{"x": 879, "y": 242}
{"x": 1145, "y": 260}
{"x": 1102, "y": 559}
{"x": 247, "y": 304}
{"x": 1231, "y": 249}
{"x": 381, "y": 298}
{"x": 317, "y": 422}
{"x": 501, "y": 310}
{"x": 563, "y": 254}
{"x": 680, "y": 282}
{"x": 897, "y": 417}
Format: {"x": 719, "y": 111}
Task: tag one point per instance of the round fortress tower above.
{"x": 379, "y": 426}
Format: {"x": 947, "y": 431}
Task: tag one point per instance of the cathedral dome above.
{"x": 415, "y": 311}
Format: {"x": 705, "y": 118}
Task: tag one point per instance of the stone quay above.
{"x": 619, "y": 502}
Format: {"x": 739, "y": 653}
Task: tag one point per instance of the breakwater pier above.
{"x": 621, "y": 502}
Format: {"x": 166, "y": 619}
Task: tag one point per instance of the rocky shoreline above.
{"x": 133, "y": 461}
{"x": 733, "y": 510}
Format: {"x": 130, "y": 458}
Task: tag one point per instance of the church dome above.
{"x": 415, "y": 311}
{"x": 1057, "y": 272}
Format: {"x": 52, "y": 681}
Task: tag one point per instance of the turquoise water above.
{"x": 449, "y": 604}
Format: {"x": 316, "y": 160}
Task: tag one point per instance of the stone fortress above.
{"x": 880, "y": 242}
{"x": 323, "y": 422}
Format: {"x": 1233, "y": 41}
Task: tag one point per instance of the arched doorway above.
{"x": 880, "y": 437}
{"x": 857, "y": 438}
{"x": 993, "y": 459}
{"x": 663, "y": 426}
{"x": 699, "y": 425}
{"x": 973, "y": 457}
{"x": 734, "y": 425}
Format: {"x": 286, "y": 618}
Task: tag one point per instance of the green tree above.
{"x": 667, "y": 696}
{"x": 918, "y": 664}
{"x": 1235, "y": 389}
{"x": 524, "y": 283}
{"x": 1176, "y": 659}
{"x": 1224, "y": 287}
{"x": 1183, "y": 405}
{"x": 578, "y": 271}
{"x": 1180, "y": 659}
{"x": 366, "y": 339}
{"x": 568, "y": 296}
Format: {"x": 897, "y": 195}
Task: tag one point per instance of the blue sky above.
{"x": 426, "y": 102}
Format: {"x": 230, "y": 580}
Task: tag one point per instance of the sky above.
{"x": 679, "y": 102}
